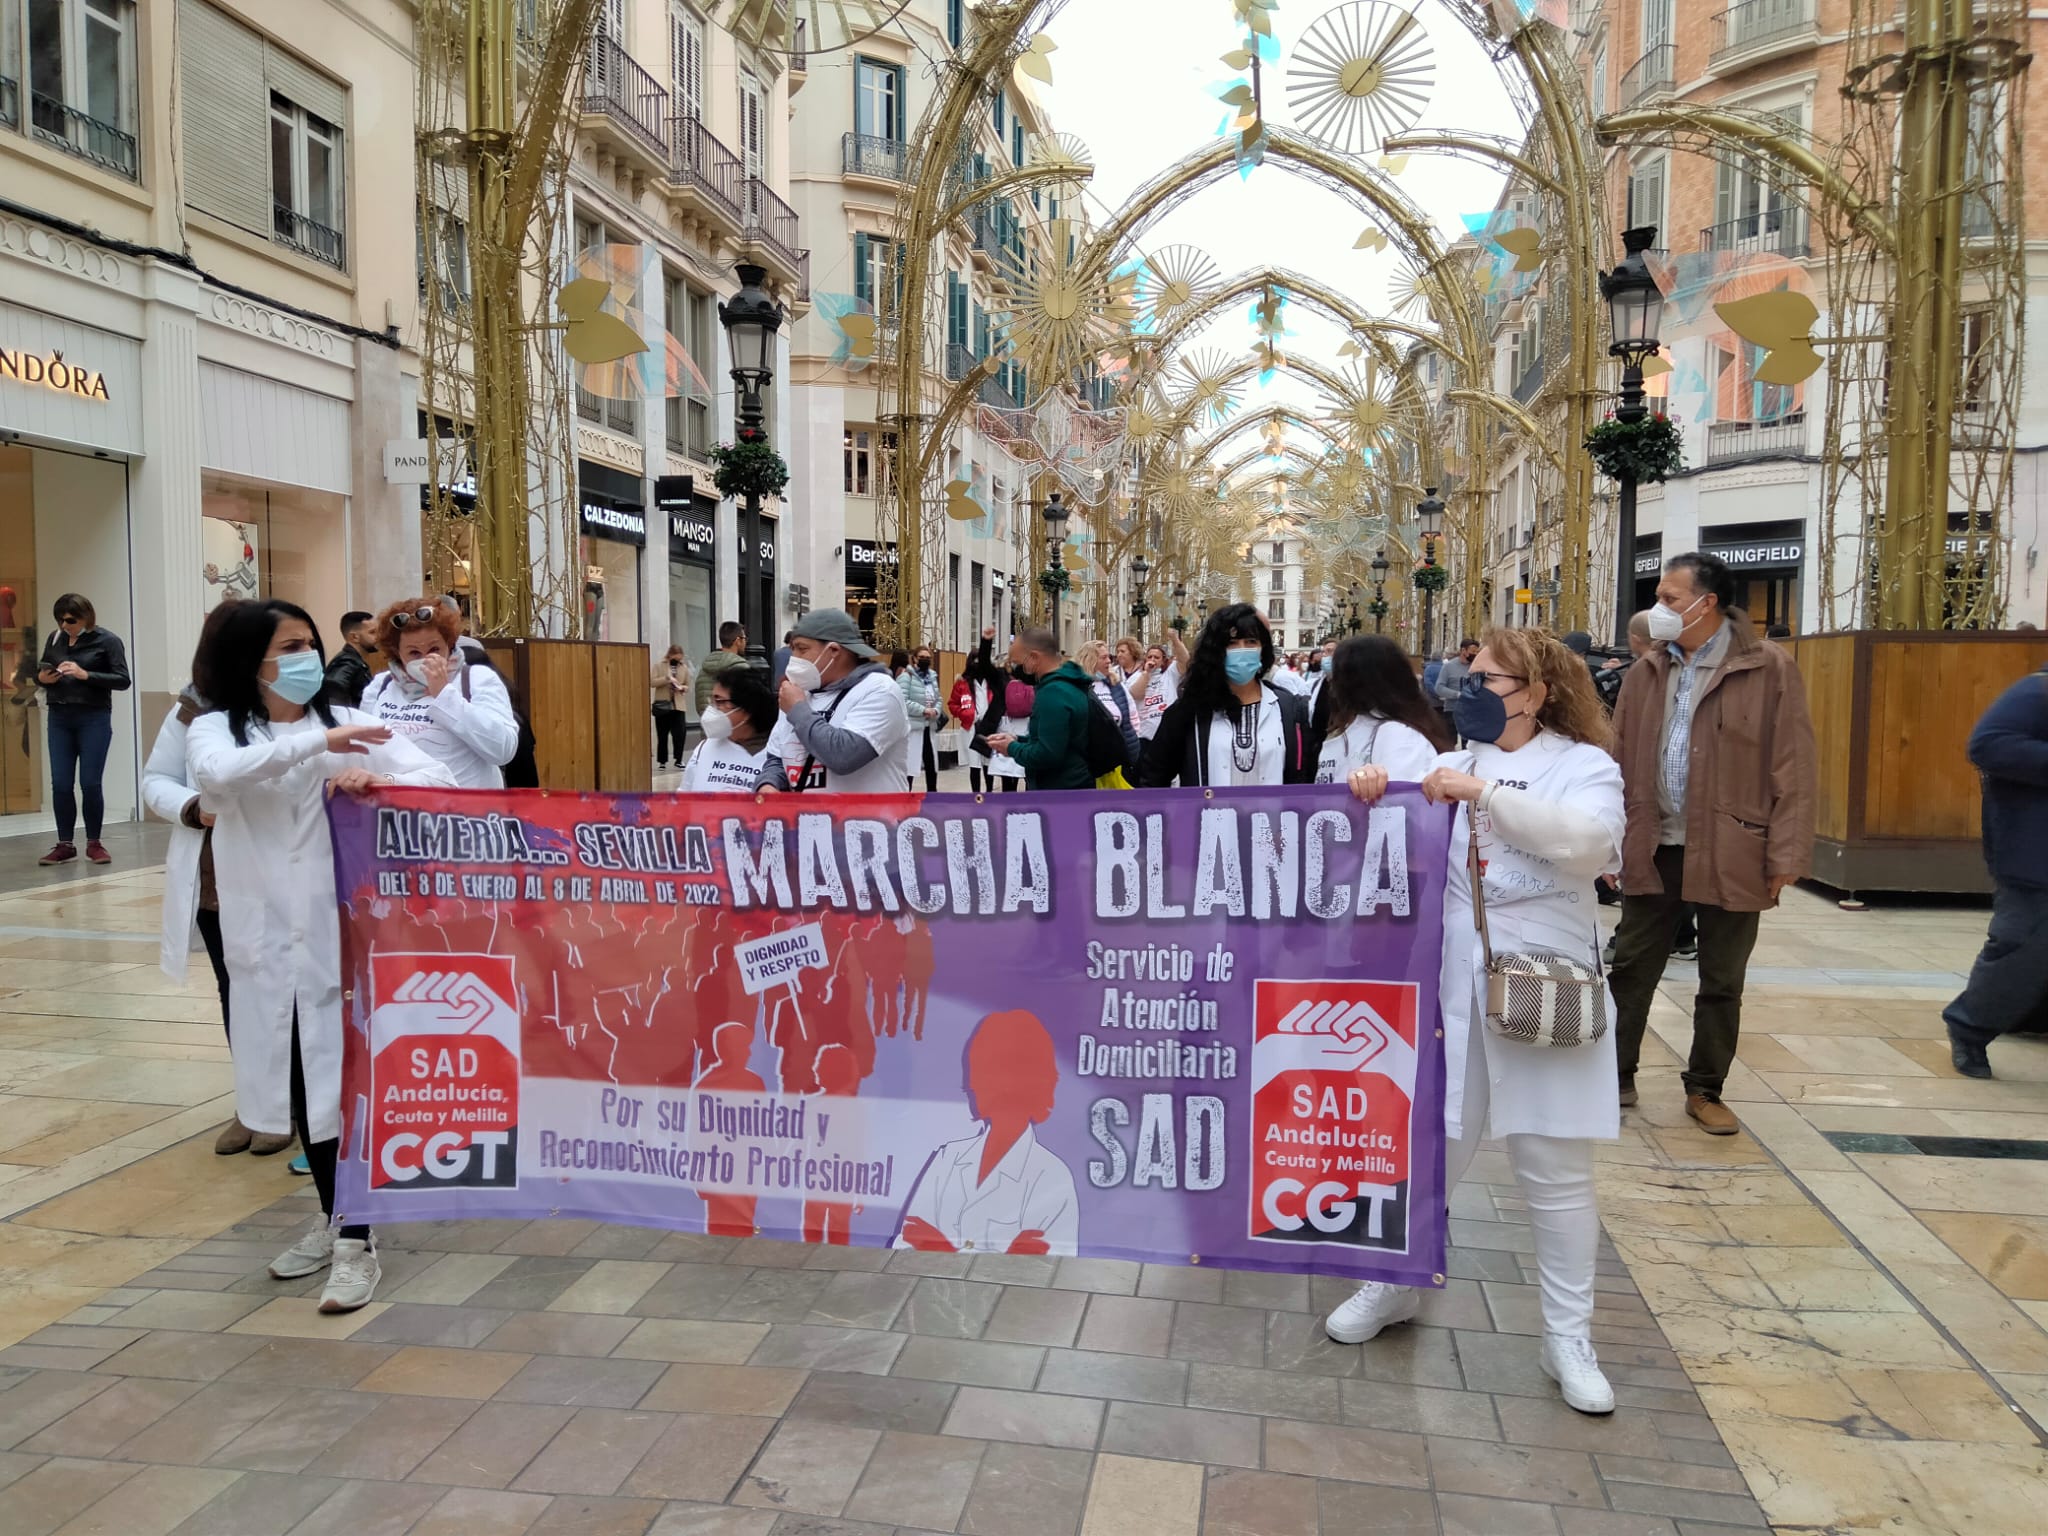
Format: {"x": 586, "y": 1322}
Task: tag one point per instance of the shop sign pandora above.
{"x": 51, "y": 371}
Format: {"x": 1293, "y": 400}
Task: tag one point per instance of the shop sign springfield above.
{"x": 52, "y": 372}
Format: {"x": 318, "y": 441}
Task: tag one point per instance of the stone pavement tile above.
{"x": 1269, "y": 1293}
{"x": 829, "y": 1349}
{"x": 1667, "y": 1474}
{"x": 712, "y": 1520}
{"x": 1295, "y": 1341}
{"x": 889, "y": 1402}
{"x": 201, "y": 1311}
{"x": 424, "y": 1370}
{"x": 854, "y": 1299}
{"x": 1611, "y": 1522}
{"x": 949, "y": 1309}
{"x": 14, "y": 1466}
{"x": 1014, "y": 1269}
{"x": 395, "y": 1437}
{"x": 1182, "y": 1434}
{"x": 1460, "y": 1304}
{"x": 369, "y": 1509}
{"x": 204, "y": 1422}
{"x": 452, "y": 1279}
{"x": 300, "y": 1317}
{"x": 1463, "y": 1515}
{"x": 1422, "y": 1357}
{"x": 984, "y": 1413}
{"x": 610, "y": 1286}
{"x": 260, "y": 1504}
{"x": 1111, "y": 1277}
{"x": 809, "y": 1468}
{"x": 1127, "y": 1325}
{"x": 594, "y": 1451}
{"x": 309, "y": 1363}
{"x": 842, "y": 1256}
{"x": 1027, "y": 1490}
{"x": 693, "y": 1248}
{"x": 1135, "y": 1378}
{"x": 530, "y": 1284}
{"x": 1238, "y": 1502}
{"x": 493, "y": 1446}
{"x": 660, "y": 1338}
{"x": 915, "y": 1479}
{"x": 1684, "y": 1503}
{"x": 560, "y": 1333}
{"x": 689, "y": 1290}
{"x": 768, "y": 1253}
{"x": 1353, "y": 1455}
{"x": 1181, "y": 1282}
{"x": 735, "y": 1389}
{"x": 618, "y": 1242}
{"x": 548, "y": 1239}
{"x": 481, "y": 1512}
{"x": 154, "y": 1502}
{"x": 1361, "y": 1509}
{"x": 1554, "y": 1423}
{"x": 1423, "y": 1410}
{"x": 1269, "y": 1394}
{"x": 775, "y": 1296}
{"x": 108, "y": 1419}
{"x": 1514, "y": 1472}
{"x": 970, "y": 1362}
{"x": 72, "y": 1347}
{"x": 942, "y": 1266}
{"x": 1130, "y": 1496}
{"x": 1501, "y": 1363}
{"x": 576, "y": 1382}
{"x": 296, "y": 1431}
{"x": 590, "y": 1515}
{"x": 700, "y": 1456}
{"x": 455, "y": 1327}
{"x": 1026, "y": 1315}
{"x": 38, "y": 1503}
{"x": 1219, "y": 1334}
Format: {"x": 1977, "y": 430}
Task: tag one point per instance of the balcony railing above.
{"x": 960, "y": 361}
{"x": 993, "y": 392}
{"x": 771, "y": 221}
{"x": 697, "y": 159}
{"x": 307, "y": 236}
{"x": 1772, "y": 231}
{"x": 621, "y": 90}
{"x": 10, "y": 103}
{"x": 1530, "y": 384}
{"x": 88, "y": 138}
{"x": 800, "y": 47}
{"x": 1729, "y": 440}
{"x": 867, "y": 154}
{"x": 1652, "y": 73}
{"x": 1757, "y": 26}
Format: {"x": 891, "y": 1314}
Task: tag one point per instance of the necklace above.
{"x": 1244, "y": 739}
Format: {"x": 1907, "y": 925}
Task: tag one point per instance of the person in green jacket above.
{"x": 1055, "y": 754}
{"x": 731, "y": 652}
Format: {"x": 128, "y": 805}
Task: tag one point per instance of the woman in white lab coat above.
{"x": 1372, "y": 711}
{"x": 452, "y": 709}
{"x": 264, "y": 763}
{"x": 1544, "y": 796}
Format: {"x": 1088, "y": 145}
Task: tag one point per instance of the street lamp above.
{"x": 1140, "y": 569}
{"x": 1055, "y": 514}
{"x": 751, "y": 320}
{"x": 1379, "y": 591}
{"x": 1635, "y": 306}
{"x": 1430, "y": 512}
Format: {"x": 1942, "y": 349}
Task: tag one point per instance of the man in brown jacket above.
{"x": 1718, "y": 776}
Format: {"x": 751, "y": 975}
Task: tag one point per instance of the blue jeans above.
{"x": 79, "y": 739}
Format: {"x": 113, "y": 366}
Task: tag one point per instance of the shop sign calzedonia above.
{"x": 51, "y": 371}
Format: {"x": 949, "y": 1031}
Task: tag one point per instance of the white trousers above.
{"x": 1556, "y": 1177}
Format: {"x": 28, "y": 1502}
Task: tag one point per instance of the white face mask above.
{"x": 804, "y": 673}
{"x": 416, "y": 669}
{"x": 716, "y": 724}
{"x": 1667, "y": 624}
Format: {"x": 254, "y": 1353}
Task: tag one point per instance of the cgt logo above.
{"x": 444, "y": 1072}
{"x": 449, "y": 1157}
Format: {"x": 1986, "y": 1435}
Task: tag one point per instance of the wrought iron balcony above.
{"x": 993, "y": 392}
{"x": 1652, "y": 73}
{"x": 617, "y": 88}
{"x": 307, "y": 236}
{"x": 10, "y": 103}
{"x": 772, "y": 224}
{"x": 1759, "y": 29}
{"x": 699, "y": 163}
{"x": 867, "y": 154}
{"x": 960, "y": 361}
{"x": 1773, "y": 231}
{"x": 68, "y": 129}
{"x": 800, "y": 47}
{"x": 1728, "y": 441}
{"x": 1530, "y": 384}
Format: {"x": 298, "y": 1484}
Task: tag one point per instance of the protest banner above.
{"x": 1193, "y": 1028}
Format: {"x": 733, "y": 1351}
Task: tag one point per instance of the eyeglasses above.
{"x": 1485, "y": 679}
{"x": 409, "y": 620}
{"x": 71, "y": 618}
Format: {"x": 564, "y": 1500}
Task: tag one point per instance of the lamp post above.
{"x": 1140, "y": 569}
{"x": 1055, "y": 514}
{"x": 751, "y": 320}
{"x": 1635, "y": 305}
{"x": 1430, "y": 512}
{"x": 1379, "y": 591}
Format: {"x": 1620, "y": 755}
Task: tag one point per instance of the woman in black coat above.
{"x": 83, "y": 667}
{"x": 1229, "y": 727}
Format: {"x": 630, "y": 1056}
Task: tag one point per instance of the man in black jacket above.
{"x": 349, "y": 673}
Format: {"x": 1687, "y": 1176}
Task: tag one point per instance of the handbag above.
{"x": 1537, "y": 997}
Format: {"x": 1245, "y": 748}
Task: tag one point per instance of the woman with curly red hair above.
{"x": 458, "y": 714}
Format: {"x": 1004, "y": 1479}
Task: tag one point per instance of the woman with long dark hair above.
{"x": 1375, "y": 713}
{"x": 83, "y": 667}
{"x": 265, "y": 761}
{"x": 1228, "y": 727}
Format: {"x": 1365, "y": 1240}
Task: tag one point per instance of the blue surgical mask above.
{"x": 1242, "y": 666}
{"x": 1479, "y": 713}
{"x": 299, "y": 677}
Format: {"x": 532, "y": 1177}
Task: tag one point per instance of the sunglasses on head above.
{"x": 410, "y": 620}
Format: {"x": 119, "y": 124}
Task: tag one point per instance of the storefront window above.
{"x": 259, "y": 540}
{"x": 611, "y": 589}
{"x": 21, "y": 639}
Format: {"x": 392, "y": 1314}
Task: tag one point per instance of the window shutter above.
{"x": 863, "y": 276}
{"x": 1727, "y": 179}
{"x": 753, "y": 149}
{"x": 226, "y": 118}
{"x": 304, "y": 86}
{"x": 686, "y": 63}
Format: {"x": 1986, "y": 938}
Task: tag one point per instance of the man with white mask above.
{"x": 843, "y": 727}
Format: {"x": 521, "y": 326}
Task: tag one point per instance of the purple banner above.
{"x": 1185, "y": 1027}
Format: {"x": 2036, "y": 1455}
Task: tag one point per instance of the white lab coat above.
{"x": 274, "y": 870}
{"x": 1402, "y": 750}
{"x": 1030, "y": 1190}
{"x": 1572, "y": 806}
{"x": 468, "y": 725}
{"x": 166, "y": 790}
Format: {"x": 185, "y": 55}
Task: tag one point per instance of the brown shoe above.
{"x": 97, "y": 852}
{"x": 264, "y": 1144}
{"x": 63, "y": 853}
{"x": 234, "y": 1137}
{"x": 1628, "y": 1092}
{"x": 1715, "y": 1118}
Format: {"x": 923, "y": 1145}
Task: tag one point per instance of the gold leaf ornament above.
{"x": 960, "y": 504}
{"x": 859, "y": 330}
{"x": 592, "y": 336}
{"x": 1781, "y": 322}
{"x": 1374, "y": 239}
{"x": 1525, "y": 245}
{"x": 1036, "y": 59}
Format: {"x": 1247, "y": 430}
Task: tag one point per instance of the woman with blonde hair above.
{"x": 1539, "y": 790}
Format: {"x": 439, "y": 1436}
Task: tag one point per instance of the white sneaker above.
{"x": 1572, "y": 1364}
{"x": 309, "y": 1255}
{"x": 1376, "y": 1306}
{"x": 354, "y": 1278}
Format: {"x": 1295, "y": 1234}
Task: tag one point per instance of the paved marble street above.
{"x": 1833, "y": 1322}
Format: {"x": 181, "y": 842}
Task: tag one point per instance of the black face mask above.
{"x": 924, "y": 663}
{"x": 1023, "y": 675}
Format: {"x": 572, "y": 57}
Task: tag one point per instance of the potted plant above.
{"x": 1647, "y": 451}
{"x": 748, "y": 467}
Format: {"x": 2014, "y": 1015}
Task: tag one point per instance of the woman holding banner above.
{"x": 1228, "y": 727}
{"x": 264, "y": 763}
{"x": 736, "y": 722}
{"x": 1542, "y": 795}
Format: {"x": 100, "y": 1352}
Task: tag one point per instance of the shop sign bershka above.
{"x": 52, "y": 372}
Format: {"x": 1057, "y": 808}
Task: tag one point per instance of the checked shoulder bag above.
{"x": 1537, "y": 997}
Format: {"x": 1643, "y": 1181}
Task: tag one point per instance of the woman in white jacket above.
{"x": 265, "y": 762}
{"x": 1370, "y": 710}
{"x": 1544, "y": 796}
{"x": 452, "y": 709}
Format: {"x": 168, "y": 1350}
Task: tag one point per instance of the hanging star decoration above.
{"x": 1359, "y": 74}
